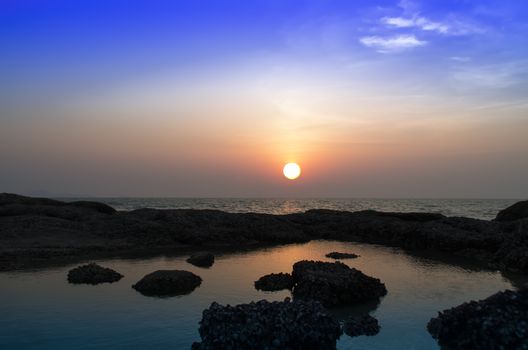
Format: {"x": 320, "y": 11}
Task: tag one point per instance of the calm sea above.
{"x": 473, "y": 208}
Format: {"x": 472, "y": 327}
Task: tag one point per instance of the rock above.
{"x": 498, "y": 322}
{"x": 298, "y": 325}
{"x": 274, "y": 281}
{"x": 98, "y": 207}
{"x": 93, "y": 274}
{"x": 202, "y": 259}
{"x": 365, "y": 325}
{"x": 31, "y": 227}
{"x": 516, "y": 211}
{"x": 334, "y": 284}
{"x": 337, "y": 255}
{"x": 168, "y": 283}
{"x": 513, "y": 253}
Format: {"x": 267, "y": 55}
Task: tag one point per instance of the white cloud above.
{"x": 419, "y": 22}
{"x": 392, "y": 44}
{"x": 451, "y": 27}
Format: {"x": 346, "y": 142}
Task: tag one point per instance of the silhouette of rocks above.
{"x": 334, "y": 284}
{"x": 168, "y": 283}
{"x": 338, "y": 256}
{"x": 202, "y": 259}
{"x": 516, "y": 211}
{"x": 38, "y": 231}
{"x": 99, "y": 207}
{"x": 297, "y": 325}
{"x": 364, "y": 325}
{"x": 93, "y": 274}
{"x": 498, "y": 322}
{"x": 274, "y": 281}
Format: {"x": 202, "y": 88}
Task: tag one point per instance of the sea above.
{"x": 485, "y": 209}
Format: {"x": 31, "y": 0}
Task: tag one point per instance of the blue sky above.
{"x": 434, "y": 90}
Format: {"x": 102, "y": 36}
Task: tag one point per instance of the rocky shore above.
{"x": 497, "y": 322}
{"x": 39, "y": 230}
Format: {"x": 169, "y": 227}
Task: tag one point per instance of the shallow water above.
{"x": 472, "y": 208}
{"x": 40, "y": 310}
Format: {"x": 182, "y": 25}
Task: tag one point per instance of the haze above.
{"x": 211, "y": 98}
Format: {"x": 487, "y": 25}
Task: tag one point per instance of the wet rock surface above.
{"x": 298, "y": 325}
{"x": 498, "y": 322}
{"x": 334, "y": 284}
{"x": 93, "y": 274}
{"x": 274, "y": 281}
{"x": 338, "y": 255}
{"x": 363, "y": 325}
{"x": 201, "y": 259}
{"x": 168, "y": 283}
{"x": 516, "y": 211}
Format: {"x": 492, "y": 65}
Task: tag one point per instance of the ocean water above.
{"x": 40, "y": 310}
{"x": 473, "y": 208}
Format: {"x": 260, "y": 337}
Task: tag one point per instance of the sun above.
{"x": 291, "y": 171}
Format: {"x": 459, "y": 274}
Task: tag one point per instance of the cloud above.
{"x": 451, "y": 27}
{"x": 419, "y": 22}
{"x": 462, "y": 59}
{"x": 392, "y": 44}
{"x": 493, "y": 76}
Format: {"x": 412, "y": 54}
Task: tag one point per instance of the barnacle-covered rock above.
{"x": 93, "y": 274}
{"x": 338, "y": 255}
{"x": 334, "y": 284}
{"x": 274, "y": 281}
{"x": 298, "y": 325}
{"x": 168, "y": 283}
{"x": 498, "y": 322}
{"x": 364, "y": 325}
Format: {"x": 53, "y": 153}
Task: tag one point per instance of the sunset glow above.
{"x": 226, "y": 92}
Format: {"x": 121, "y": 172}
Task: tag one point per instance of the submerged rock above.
{"x": 298, "y": 325}
{"x": 498, "y": 322}
{"x": 168, "y": 283}
{"x": 365, "y": 325}
{"x": 274, "y": 281}
{"x": 93, "y": 274}
{"x": 516, "y": 211}
{"x": 334, "y": 284}
{"x": 202, "y": 259}
{"x": 337, "y": 255}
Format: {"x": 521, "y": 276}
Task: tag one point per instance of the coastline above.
{"x": 37, "y": 231}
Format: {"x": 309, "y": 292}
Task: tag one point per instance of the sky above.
{"x": 196, "y": 98}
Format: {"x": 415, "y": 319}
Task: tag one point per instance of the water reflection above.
{"x": 41, "y": 310}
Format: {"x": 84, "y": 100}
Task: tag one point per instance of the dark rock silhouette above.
{"x": 93, "y": 274}
{"x": 516, "y": 211}
{"x": 99, "y": 207}
{"x": 364, "y": 325}
{"x": 498, "y": 322}
{"x": 334, "y": 284}
{"x": 168, "y": 283}
{"x": 297, "y": 325}
{"x": 274, "y": 281}
{"x": 338, "y": 256}
{"x": 36, "y": 231}
{"x": 201, "y": 259}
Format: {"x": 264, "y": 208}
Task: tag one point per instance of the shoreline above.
{"x": 38, "y": 231}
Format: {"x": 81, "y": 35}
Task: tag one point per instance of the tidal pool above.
{"x": 40, "y": 310}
